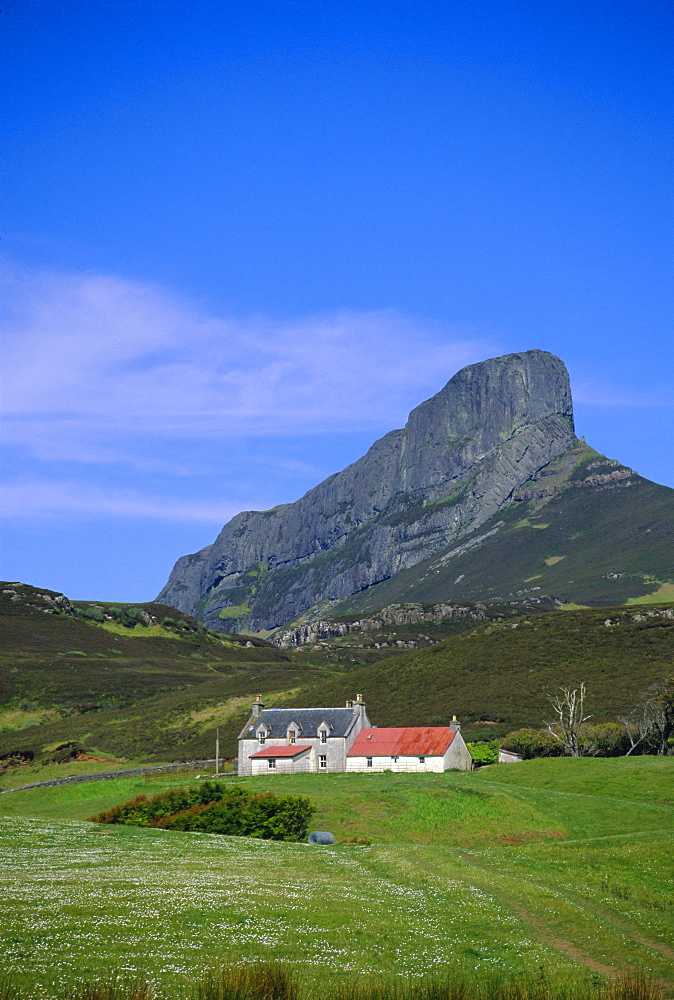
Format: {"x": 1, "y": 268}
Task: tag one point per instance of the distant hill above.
{"x": 485, "y": 495}
{"x": 126, "y": 679}
{"x": 156, "y": 689}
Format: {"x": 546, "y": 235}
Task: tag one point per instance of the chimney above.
{"x": 257, "y": 706}
{"x": 454, "y": 725}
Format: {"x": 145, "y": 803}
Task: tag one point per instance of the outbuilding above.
{"x": 418, "y": 748}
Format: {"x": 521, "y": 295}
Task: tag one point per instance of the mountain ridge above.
{"x": 459, "y": 459}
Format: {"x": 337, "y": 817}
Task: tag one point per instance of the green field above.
{"x": 563, "y": 865}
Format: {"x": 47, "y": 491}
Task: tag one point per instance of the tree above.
{"x": 570, "y": 711}
{"x": 651, "y": 723}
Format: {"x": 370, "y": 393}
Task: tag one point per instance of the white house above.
{"x": 421, "y": 748}
{"x": 296, "y": 740}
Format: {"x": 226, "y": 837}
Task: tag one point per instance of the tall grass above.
{"x": 456, "y": 986}
{"x": 275, "y": 981}
{"x": 267, "y": 981}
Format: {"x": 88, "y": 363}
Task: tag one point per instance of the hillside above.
{"x": 586, "y": 531}
{"x": 496, "y": 677}
{"x": 157, "y": 692}
{"x": 118, "y": 677}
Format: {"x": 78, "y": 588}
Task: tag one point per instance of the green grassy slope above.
{"x": 561, "y": 867}
{"x": 362, "y": 646}
{"x": 575, "y": 535}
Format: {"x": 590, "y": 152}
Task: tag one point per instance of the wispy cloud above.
{"x": 43, "y": 498}
{"x": 102, "y": 374}
{"x": 93, "y": 362}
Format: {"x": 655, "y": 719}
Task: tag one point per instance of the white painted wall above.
{"x": 284, "y": 765}
{"x": 458, "y": 755}
{"x": 385, "y": 763}
{"x": 335, "y": 749}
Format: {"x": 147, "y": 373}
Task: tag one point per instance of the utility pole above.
{"x": 217, "y": 749}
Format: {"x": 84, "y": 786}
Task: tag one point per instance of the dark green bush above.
{"x": 216, "y": 808}
{"x": 608, "y": 739}
{"x": 95, "y": 614}
{"x": 531, "y": 743}
{"x": 142, "y": 811}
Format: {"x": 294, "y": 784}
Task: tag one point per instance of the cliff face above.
{"x": 458, "y": 461}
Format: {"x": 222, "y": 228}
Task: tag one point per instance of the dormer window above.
{"x": 262, "y": 736}
{"x": 324, "y": 736}
{"x": 292, "y": 737}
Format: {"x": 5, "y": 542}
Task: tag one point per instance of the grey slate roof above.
{"x": 277, "y": 720}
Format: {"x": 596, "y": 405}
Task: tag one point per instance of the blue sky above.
{"x": 240, "y": 240}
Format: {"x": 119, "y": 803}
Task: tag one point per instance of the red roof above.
{"x": 284, "y": 751}
{"x": 424, "y": 741}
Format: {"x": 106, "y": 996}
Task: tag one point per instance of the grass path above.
{"x": 611, "y": 939}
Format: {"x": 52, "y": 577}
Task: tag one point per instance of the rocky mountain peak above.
{"x": 457, "y": 461}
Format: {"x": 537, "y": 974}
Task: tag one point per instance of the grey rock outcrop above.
{"x": 395, "y": 614}
{"x": 456, "y": 463}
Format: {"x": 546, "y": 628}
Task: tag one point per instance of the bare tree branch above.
{"x": 652, "y": 721}
{"x": 570, "y": 711}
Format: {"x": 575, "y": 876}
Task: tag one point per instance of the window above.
{"x": 422, "y": 760}
{"x": 262, "y": 737}
{"x": 322, "y": 761}
{"x": 271, "y": 764}
{"x": 291, "y": 737}
{"x": 368, "y": 761}
{"x": 324, "y": 736}
{"x": 394, "y": 759}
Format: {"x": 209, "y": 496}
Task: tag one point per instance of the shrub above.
{"x": 607, "y": 739}
{"x": 95, "y": 614}
{"x": 216, "y": 808}
{"x": 142, "y": 811}
{"x": 531, "y": 743}
{"x": 484, "y": 753}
